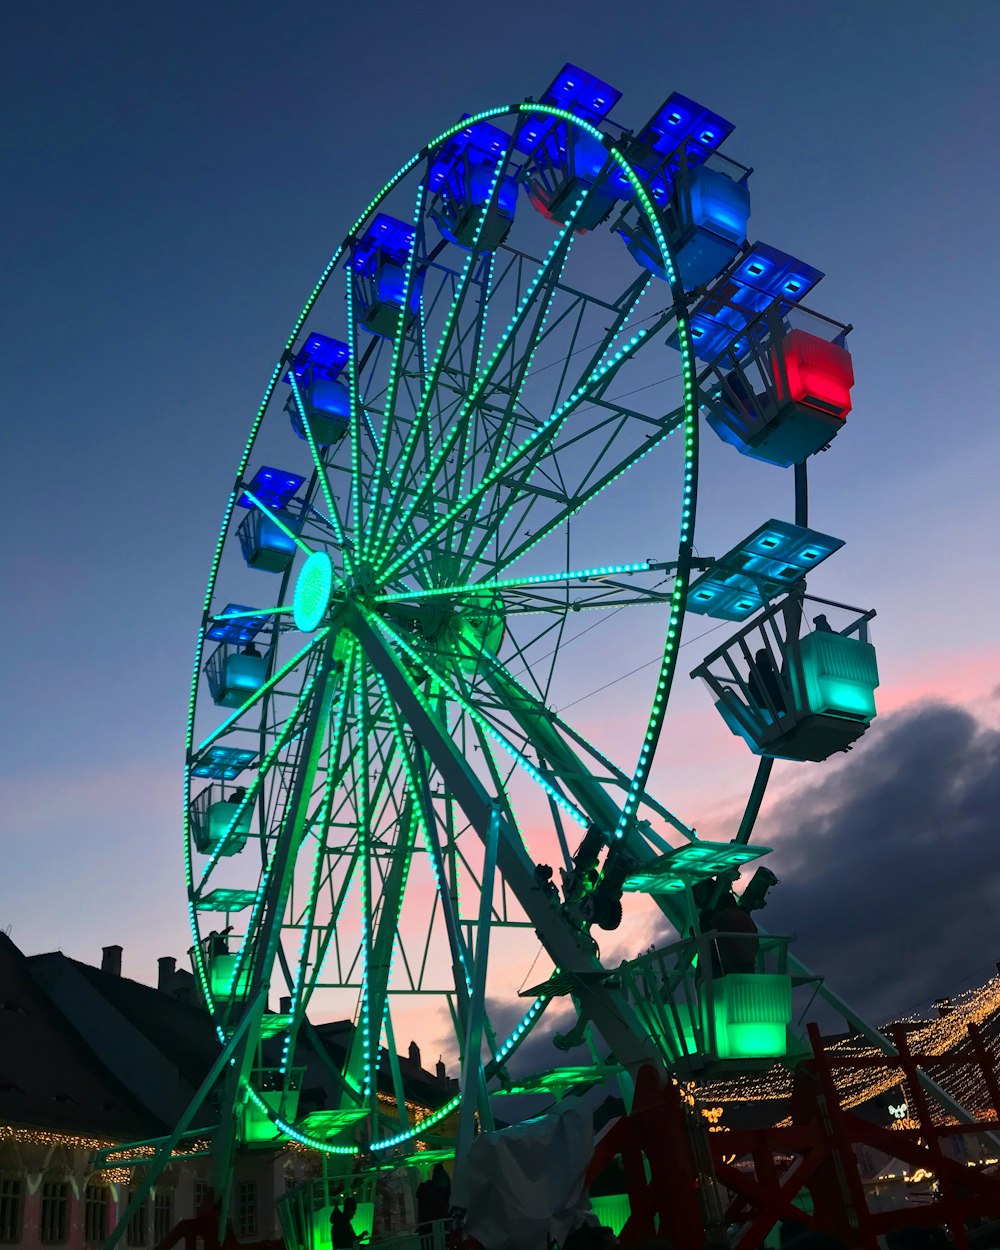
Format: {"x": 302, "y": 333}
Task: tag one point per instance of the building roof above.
{"x": 182, "y": 1032}
{"x": 48, "y": 1078}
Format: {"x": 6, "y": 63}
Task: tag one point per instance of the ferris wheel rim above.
{"x": 673, "y": 630}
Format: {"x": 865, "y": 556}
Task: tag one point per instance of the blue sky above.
{"x": 175, "y": 177}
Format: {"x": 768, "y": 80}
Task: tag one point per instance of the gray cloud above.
{"x": 889, "y": 869}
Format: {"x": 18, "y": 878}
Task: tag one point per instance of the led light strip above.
{"x": 565, "y": 237}
{"x": 276, "y": 521}
{"x": 399, "y": 339}
{"x": 259, "y": 694}
{"x": 504, "y": 583}
{"x": 406, "y": 456}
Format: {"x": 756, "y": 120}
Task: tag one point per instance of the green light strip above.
{"x": 357, "y": 519}
{"x": 331, "y": 506}
{"x": 417, "y": 796}
{"x": 360, "y": 712}
{"x": 252, "y": 612}
{"x": 559, "y": 249}
{"x": 545, "y": 429}
{"x": 505, "y": 583}
{"x": 678, "y": 600}
{"x": 569, "y": 808}
{"x": 399, "y": 339}
{"x": 259, "y": 694}
{"x": 280, "y": 524}
{"x": 333, "y": 755}
{"x": 199, "y": 961}
{"x": 406, "y": 456}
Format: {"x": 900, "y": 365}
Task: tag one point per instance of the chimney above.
{"x": 439, "y": 1070}
{"x": 166, "y": 966}
{"x": 285, "y": 1005}
{"x": 414, "y": 1053}
{"x": 111, "y": 960}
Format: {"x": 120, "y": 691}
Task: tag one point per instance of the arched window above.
{"x": 11, "y": 1207}
{"x": 96, "y": 1207}
{"x": 54, "y": 1224}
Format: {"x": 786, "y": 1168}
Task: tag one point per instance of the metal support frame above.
{"x": 569, "y": 949}
{"x": 472, "y": 1068}
{"x": 165, "y": 1151}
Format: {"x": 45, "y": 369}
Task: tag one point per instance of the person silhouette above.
{"x": 342, "y": 1234}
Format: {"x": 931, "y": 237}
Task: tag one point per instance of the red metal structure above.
{"x": 675, "y": 1169}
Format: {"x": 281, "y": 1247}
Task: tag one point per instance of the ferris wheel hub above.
{"x": 313, "y": 590}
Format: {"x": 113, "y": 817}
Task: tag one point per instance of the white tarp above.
{"x": 522, "y": 1184}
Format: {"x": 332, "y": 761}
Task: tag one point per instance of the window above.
{"x": 163, "y": 1214}
{"x": 95, "y": 1214}
{"x": 246, "y": 1209}
{"x": 202, "y": 1192}
{"x": 135, "y": 1234}
{"x": 55, "y": 1212}
{"x": 11, "y": 1206}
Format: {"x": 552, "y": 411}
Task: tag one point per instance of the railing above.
{"x": 675, "y": 990}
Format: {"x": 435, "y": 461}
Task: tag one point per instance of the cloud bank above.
{"x": 889, "y": 867}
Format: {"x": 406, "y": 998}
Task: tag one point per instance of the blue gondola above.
{"x": 319, "y": 369}
{"x": 462, "y": 175}
{"x": 566, "y": 162}
{"x": 705, "y": 226}
{"x": 378, "y": 265}
{"x": 264, "y": 544}
{"x": 703, "y": 211}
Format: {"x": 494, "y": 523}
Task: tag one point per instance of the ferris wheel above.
{"x": 471, "y": 486}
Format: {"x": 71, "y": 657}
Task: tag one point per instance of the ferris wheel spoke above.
{"x": 418, "y": 427}
{"x": 333, "y": 513}
{"x": 537, "y": 448}
{"x": 542, "y": 435}
{"x": 252, "y": 612}
{"x": 333, "y": 776}
{"x": 514, "y": 551}
{"x": 544, "y": 275}
{"x": 308, "y": 650}
{"x": 532, "y": 713}
{"x": 390, "y": 416}
{"x": 462, "y": 590}
{"x": 426, "y": 821}
{"x": 476, "y": 715}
